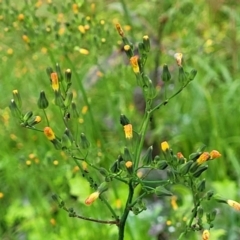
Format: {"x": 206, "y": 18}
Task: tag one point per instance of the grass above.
{"x": 206, "y": 112}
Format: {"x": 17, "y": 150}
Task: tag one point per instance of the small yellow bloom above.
{"x": 215, "y": 154}
{"x": 164, "y": 146}
{"x": 174, "y": 202}
{"x": 75, "y": 8}
{"x": 205, "y": 235}
{"x": 54, "y": 79}
{"x": 83, "y": 51}
{"x": 126, "y": 47}
{"x": 49, "y": 133}
{"x": 178, "y": 57}
{"x": 21, "y": 17}
{"x": 203, "y": 158}
{"x": 134, "y": 63}
{"x": 1, "y": 195}
{"x": 92, "y": 198}
{"x": 119, "y": 29}
{"x": 81, "y": 29}
{"x": 128, "y": 164}
{"x": 128, "y": 131}
{"x": 180, "y": 155}
{"x": 234, "y": 204}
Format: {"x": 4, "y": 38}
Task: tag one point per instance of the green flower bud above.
{"x": 74, "y": 110}
{"x": 160, "y": 191}
{"x": 14, "y": 109}
{"x": 142, "y": 51}
{"x": 59, "y": 72}
{"x": 213, "y": 215}
{"x": 146, "y": 43}
{"x": 68, "y": 76}
{"x": 85, "y": 144}
{"x": 27, "y": 116}
{"x": 103, "y": 187}
{"x": 181, "y": 76}
{"x": 194, "y": 167}
{"x": 57, "y": 144}
{"x": 103, "y": 171}
{"x": 200, "y": 170}
{"x": 166, "y": 76}
{"x": 49, "y": 71}
{"x": 184, "y": 168}
{"x": 115, "y": 167}
{"x": 42, "y": 101}
{"x": 129, "y": 167}
{"x": 124, "y": 120}
{"x": 17, "y": 98}
{"x": 209, "y": 194}
{"x": 171, "y": 175}
{"x": 201, "y": 185}
{"x": 200, "y": 212}
{"x": 195, "y": 156}
{"x": 148, "y": 158}
{"x": 68, "y": 99}
{"x": 58, "y": 99}
{"x": 192, "y": 74}
{"x": 66, "y": 142}
{"x": 128, "y": 50}
{"x": 162, "y": 165}
{"x": 34, "y": 120}
{"x": 127, "y": 156}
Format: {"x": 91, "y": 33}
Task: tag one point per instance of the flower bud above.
{"x": 146, "y": 43}
{"x": 128, "y": 131}
{"x": 184, "y": 168}
{"x": 164, "y": 146}
{"x": 161, "y": 165}
{"x": 59, "y": 72}
{"x": 200, "y": 170}
{"x": 42, "y": 101}
{"x": 181, "y": 76}
{"x": 129, "y": 167}
{"x": 92, "y": 198}
{"x": 74, "y": 110}
{"x": 128, "y": 50}
{"x": 17, "y": 98}
{"x": 203, "y": 158}
{"x": 212, "y": 215}
{"x": 135, "y": 65}
{"x": 34, "y": 120}
{"x": 234, "y": 204}
{"x": 103, "y": 187}
{"x": 68, "y": 99}
{"x": 194, "y": 156}
{"x": 205, "y": 235}
{"x": 160, "y": 191}
{"x": 148, "y": 158}
{"x": 68, "y": 75}
{"x": 209, "y": 194}
{"x": 103, "y": 171}
{"x": 124, "y": 120}
{"x": 14, "y": 109}
{"x": 59, "y": 100}
{"x": 115, "y": 167}
{"x": 200, "y": 212}
{"x": 119, "y": 29}
{"x": 66, "y": 142}
{"x": 179, "y": 58}
{"x": 84, "y": 142}
{"x": 192, "y": 74}
{"x": 27, "y": 116}
{"x": 201, "y": 185}
{"x": 166, "y": 76}
{"x": 127, "y": 156}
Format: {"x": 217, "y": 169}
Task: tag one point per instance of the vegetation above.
{"x": 112, "y": 127}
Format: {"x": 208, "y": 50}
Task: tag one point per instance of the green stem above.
{"x": 123, "y": 219}
{"x": 142, "y": 134}
{"x": 44, "y": 112}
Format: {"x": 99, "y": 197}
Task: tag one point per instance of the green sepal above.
{"x": 184, "y": 168}
{"x": 148, "y": 158}
{"x": 200, "y": 170}
{"x": 161, "y": 191}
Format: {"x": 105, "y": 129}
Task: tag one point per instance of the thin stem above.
{"x": 126, "y": 212}
{"x": 44, "y": 112}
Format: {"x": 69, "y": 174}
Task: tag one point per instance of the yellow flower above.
{"x": 92, "y": 198}
{"x": 75, "y": 8}
{"x": 21, "y": 17}
{"x": 49, "y": 133}
{"x": 128, "y": 131}
{"x": 83, "y": 51}
{"x": 54, "y": 79}
{"x": 174, "y": 202}
{"x": 180, "y": 155}
{"x": 203, "y": 158}
{"x": 119, "y": 29}
{"x": 134, "y": 63}
{"x": 205, "y": 235}
{"x": 234, "y": 204}
{"x": 164, "y": 146}
{"x": 128, "y": 164}
{"x": 178, "y": 57}
{"x": 214, "y": 154}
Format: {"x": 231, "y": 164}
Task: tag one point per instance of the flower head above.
{"x": 164, "y": 146}
{"x": 54, "y": 80}
{"x": 128, "y": 131}
{"x": 92, "y": 198}
{"x": 214, "y": 154}
{"x": 134, "y": 63}
{"x": 178, "y": 57}
{"x": 49, "y": 133}
{"x": 203, "y": 158}
{"x": 205, "y": 235}
{"x": 234, "y": 204}
{"x": 119, "y": 29}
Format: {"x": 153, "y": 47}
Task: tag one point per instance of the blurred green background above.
{"x": 81, "y": 35}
